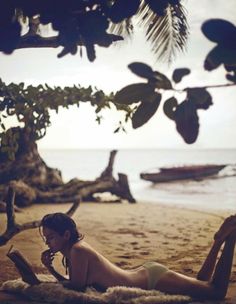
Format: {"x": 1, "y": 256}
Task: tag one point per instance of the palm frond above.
{"x": 168, "y": 34}
{"x": 124, "y": 28}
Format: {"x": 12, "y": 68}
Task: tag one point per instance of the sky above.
{"x": 76, "y": 128}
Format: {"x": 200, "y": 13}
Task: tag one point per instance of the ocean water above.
{"x": 215, "y": 193}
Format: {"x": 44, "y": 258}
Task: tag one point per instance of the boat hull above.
{"x": 182, "y": 173}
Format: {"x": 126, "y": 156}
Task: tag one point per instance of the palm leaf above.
{"x": 124, "y": 28}
{"x": 168, "y": 34}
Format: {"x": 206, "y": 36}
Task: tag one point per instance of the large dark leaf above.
{"x": 219, "y": 55}
{"x": 200, "y": 96}
{"x": 161, "y": 81}
{"x": 141, "y": 69}
{"x": 170, "y": 106}
{"x": 230, "y": 68}
{"x": 220, "y": 31}
{"x": 123, "y": 9}
{"x": 178, "y": 74}
{"x": 134, "y": 93}
{"x": 186, "y": 119}
{"x": 9, "y": 37}
{"x": 145, "y": 111}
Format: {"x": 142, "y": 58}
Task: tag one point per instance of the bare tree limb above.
{"x": 109, "y": 169}
{"x": 30, "y": 40}
{"x": 13, "y": 228}
{"x": 73, "y": 208}
{"x": 10, "y": 200}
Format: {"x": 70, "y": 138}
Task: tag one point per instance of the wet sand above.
{"x": 128, "y": 235}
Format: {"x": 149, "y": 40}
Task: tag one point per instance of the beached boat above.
{"x": 162, "y": 175}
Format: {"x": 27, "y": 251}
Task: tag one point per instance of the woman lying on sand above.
{"x": 87, "y": 267}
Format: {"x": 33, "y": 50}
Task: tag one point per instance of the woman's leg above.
{"x": 176, "y": 283}
{"x": 207, "y": 269}
{"x": 223, "y": 268}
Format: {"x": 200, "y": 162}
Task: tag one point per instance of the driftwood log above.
{"x": 28, "y": 180}
{"x": 73, "y": 191}
{"x": 34, "y": 182}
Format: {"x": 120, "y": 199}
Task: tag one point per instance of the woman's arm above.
{"x": 56, "y": 274}
{"x": 47, "y": 257}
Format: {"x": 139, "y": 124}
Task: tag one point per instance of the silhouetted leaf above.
{"x": 141, "y": 69}
{"x": 161, "y": 81}
{"x": 220, "y": 31}
{"x": 170, "y": 106}
{"x": 178, "y": 74}
{"x": 200, "y": 97}
{"x": 91, "y": 54}
{"x": 174, "y": 2}
{"x": 145, "y": 111}
{"x": 230, "y": 68}
{"x": 158, "y": 7}
{"x": 231, "y": 77}
{"x": 9, "y": 36}
{"x": 116, "y": 130}
{"x": 219, "y": 55}
{"x": 134, "y": 93}
{"x": 121, "y": 9}
{"x": 186, "y": 119}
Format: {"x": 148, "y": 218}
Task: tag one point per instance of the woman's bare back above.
{"x": 101, "y": 273}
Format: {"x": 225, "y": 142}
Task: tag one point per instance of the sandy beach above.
{"x": 127, "y": 234}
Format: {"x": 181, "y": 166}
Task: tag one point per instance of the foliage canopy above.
{"x": 147, "y": 96}
{"x": 88, "y": 23}
{"x": 31, "y": 105}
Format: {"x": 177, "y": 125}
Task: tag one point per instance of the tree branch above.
{"x": 37, "y": 41}
{"x": 10, "y": 200}
{"x": 109, "y": 169}
{"x": 219, "y": 86}
{"x": 73, "y": 208}
{"x": 203, "y": 87}
{"x": 31, "y": 40}
{"x": 14, "y": 228}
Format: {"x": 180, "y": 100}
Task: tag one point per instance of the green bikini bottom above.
{"x": 155, "y": 272}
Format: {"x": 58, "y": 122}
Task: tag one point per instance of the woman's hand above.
{"x": 47, "y": 258}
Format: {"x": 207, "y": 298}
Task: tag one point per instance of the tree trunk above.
{"x": 34, "y": 182}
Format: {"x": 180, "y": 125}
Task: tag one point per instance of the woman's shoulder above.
{"x": 82, "y": 247}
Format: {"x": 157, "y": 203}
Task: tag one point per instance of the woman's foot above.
{"x": 228, "y": 226}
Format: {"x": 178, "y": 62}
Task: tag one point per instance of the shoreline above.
{"x": 127, "y": 234}
{"x": 211, "y": 211}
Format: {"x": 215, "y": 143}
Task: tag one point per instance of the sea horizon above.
{"x": 214, "y": 193}
{"x": 125, "y": 149}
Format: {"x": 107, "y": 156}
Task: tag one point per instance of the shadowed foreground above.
{"x": 128, "y": 235}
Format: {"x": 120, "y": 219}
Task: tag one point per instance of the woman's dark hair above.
{"x": 60, "y": 222}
